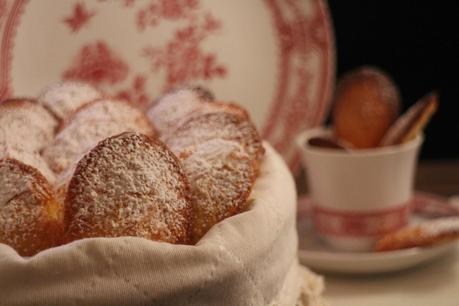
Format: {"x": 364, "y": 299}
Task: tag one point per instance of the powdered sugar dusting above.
{"x": 13, "y": 181}
{"x": 116, "y": 181}
{"x": 426, "y": 233}
{"x": 171, "y": 109}
{"x": 65, "y": 97}
{"x": 109, "y": 109}
{"x": 440, "y": 227}
{"x": 221, "y": 176}
{"x": 32, "y": 159}
{"x": 91, "y": 124}
{"x": 23, "y": 207}
{"x": 222, "y": 125}
{"x": 129, "y": 185}
{"x": 25, "y": 126}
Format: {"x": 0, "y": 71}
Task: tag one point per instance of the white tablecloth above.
{"x": 433, "y": 284}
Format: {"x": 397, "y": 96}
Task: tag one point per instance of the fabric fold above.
{"x": 247, "y": 259}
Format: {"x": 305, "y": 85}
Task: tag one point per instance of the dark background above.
{"x": 417, "y": 43}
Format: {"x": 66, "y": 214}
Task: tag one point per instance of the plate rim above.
{"x": 374, "y": 263}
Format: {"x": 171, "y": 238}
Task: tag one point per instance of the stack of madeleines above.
{"x": 77, "y": 164}
{"x": 366, "y": 111}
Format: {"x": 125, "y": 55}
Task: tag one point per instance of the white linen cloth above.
{"x": 248, "y": 259}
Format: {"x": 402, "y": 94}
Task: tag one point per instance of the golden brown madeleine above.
{"x": 129, "y": 185}
{"x": 31, "y": 220}
{"x": 203, "y": 93}
{"x": 33, "y": 159}
{"x": 218, "y": 106}
{"x": 111, "y": 109}
{"x": 26, "y": 128}
{"x": 92, "y": 123}
{"x": 220, "y": 125}
{"x": 25, "y": 125}
{"x": 366, "y": 104}
{"x": 63, "y": 98}
{"x": 411, "y": 123}
{"x": 427, "y": 233}
{"x": 221, "y": 175}
{"x": 169, "y": 111}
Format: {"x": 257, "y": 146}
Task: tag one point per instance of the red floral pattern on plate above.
{"x": 136, "y": 92}
{"x": 171, "y": 10}
{"x": 3, "y": 11}
{"x": 298, "y": 37}
{"x": 183, "y": 58}
{"x": 97, "y": 64}
{"x": 79, "y": 18}
{"x": 301, "y": 28}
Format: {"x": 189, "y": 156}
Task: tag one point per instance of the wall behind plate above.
{"x": 417, "y": 42}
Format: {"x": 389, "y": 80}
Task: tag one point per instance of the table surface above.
{"x": 441, "y": 177}
{"x": 435, "y": 283}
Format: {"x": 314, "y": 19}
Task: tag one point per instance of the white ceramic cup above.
{"x": 359, "y": 195}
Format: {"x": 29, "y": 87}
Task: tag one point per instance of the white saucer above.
{"x": 315, "y": 254}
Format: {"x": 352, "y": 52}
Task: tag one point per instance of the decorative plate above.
{"x": 315, "y": 254}
{"x": 273, "y": 56}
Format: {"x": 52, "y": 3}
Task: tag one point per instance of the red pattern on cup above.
{"x": 360, "y": 224}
